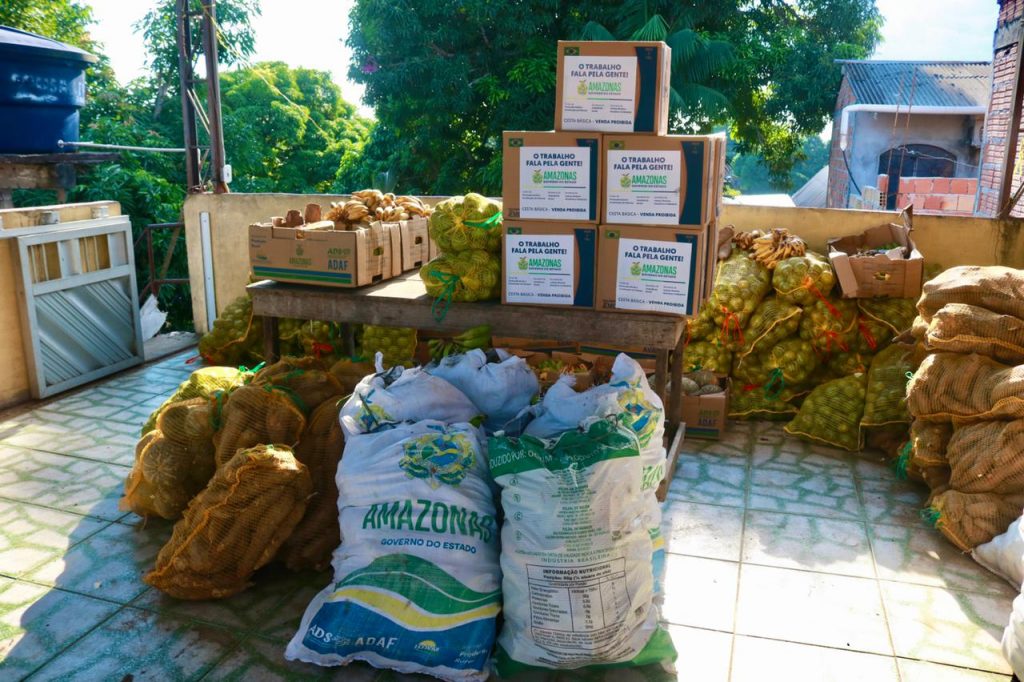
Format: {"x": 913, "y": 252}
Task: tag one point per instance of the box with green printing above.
{"x": 549, "y": 264}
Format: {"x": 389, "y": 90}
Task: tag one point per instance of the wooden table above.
{"x": 403, "y": 302}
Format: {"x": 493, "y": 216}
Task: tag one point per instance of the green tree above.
{"x": 749, "y": 172}
{"x": 445, "y": 77}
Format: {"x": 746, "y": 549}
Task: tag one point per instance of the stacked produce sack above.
{"x": 467, "y": 229}
{"x": 796, "y": 351}
{"x": 967, "y": 400}
{"x": 243, "y": 461}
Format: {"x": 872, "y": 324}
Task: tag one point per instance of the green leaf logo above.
{"x": 298, "y": 250}
{"x": 635, "y": 269}
{"x": 625, "y": 182}
{"x": 523, "y": 263}
{"x": 582, "y": 88}
{"x": 538, "y": 177}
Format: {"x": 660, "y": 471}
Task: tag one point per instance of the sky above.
{"x": 311, "y": 34}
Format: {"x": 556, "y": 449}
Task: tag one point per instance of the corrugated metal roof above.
{"x": 942, "y": 84}
{"x": 813, "y": 193}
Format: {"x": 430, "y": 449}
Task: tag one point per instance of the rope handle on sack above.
{"x": 483, "y": 224}
{"x": 809, "y": 285}
{"x": 734, "y": 318}
{"x": 776, "y": 383}
{"x": 320, "y": 349}
{"x": 835, "y": 337}
{"x": 439, "y": 308}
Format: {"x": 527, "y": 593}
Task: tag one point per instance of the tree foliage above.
{"x": 749, "y": 172}
{"x": 446, "y": 77}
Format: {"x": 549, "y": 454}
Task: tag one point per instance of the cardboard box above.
{"x": 657, "y": 180}
{"x": 613, "y": 86}
{"x": 893, "y": 274}
{"x": 706, "y": 416}
{"x": 551, "y": 176}
{"x": 650, "y": 269}
{"x": 415, "y": 243}
{"x": 318, "y": 254}
{"x": 550, "y": 264}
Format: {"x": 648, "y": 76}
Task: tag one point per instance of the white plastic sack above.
{"x": 416, "y": 579}
{"x": 403, "y": 395}
{"x": 575, "y": 551}
{"x": 1013, "y": 638}
{"x": 1004, "y": 555}
{"x": 500, "y": 390}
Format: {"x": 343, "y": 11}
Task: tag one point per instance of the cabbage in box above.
{"x": 551, "y": 176}
{"x": 549, "y": 264}
{"x": 658, "y": 180}
{"x": 650, "y": 269}
{"x": 613, "y": 86}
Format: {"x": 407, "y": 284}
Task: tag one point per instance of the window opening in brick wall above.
{"x": 914, "y": 160}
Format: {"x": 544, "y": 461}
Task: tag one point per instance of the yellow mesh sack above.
{"x": 772, "y": 321}
{"x": 886, "y": 397}
{"x": 396, "y": 344}
{"x": 234, "y": 526}
{"x": 786, "y": 364}
{"x": 928, "y": 443}
{"x": 236, "y": 338}
{"x": 256, "y": 415}
{"x": 844, "y": 364}
{"x": 174, "y": 461}
{"x": 993, "y": 287}
{"x": 988, "y": 457}
{"x": 803, "y": 279}
{"x": 831, "y": 414}
{"x": 753, "y": 403}
{"x": 869, "y": 336}
{"x": 965, "y": 388}
{"x": 709, "y": 355}
{"x": 305, "y": 380}
{"x": 740, "y": 286}
{"x": 701, "y": 327}
{"x": 962, "y": 328}
{"x": 896, "y": 314}
{"x": 970, "y": 519}
{"x": 202, "y": 383}
{"x": 830, "y": 325}
{"x": 311, "y": 543}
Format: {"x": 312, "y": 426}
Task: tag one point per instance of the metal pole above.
{"x": 213, "y": 96}
{"x": 183, "y": 19}
{"x": 1012, "y": 134}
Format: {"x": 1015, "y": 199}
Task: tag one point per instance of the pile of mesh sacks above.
{"x": 967, "y": 401}
{"x": 797, "y": 352}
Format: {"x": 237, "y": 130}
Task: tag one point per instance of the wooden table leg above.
{"x": 271, "y": 340}
{"x": 675, "y": 398}
{"x": 661, "y": 374}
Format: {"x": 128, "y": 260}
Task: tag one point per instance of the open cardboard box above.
{"x": 896, "y": 273}
{"x": 706, "y": 415}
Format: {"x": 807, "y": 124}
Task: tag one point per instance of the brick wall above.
{"x": 949, "y": 196}
{"x": 838, "y": 176}
{"x": 997, "y": 122}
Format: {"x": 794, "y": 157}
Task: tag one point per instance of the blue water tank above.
{"x": 42, "y": 87}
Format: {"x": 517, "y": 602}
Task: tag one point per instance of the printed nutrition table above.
{"x": 570, "y": 605}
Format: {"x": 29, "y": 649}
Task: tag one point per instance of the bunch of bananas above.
{"x": 477, "y": 337}
{"x": 369, "y": 205}
{"x": 771, "y": 247}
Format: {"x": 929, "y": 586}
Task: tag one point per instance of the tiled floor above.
{"x": 788, "y": 562}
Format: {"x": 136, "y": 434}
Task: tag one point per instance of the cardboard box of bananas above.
{"x": 369, "y": 205}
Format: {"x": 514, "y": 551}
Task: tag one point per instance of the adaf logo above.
{"x": 429, "y": 646}
{"x": 524, "y": 264}
{"x": 538, "y": 177}
{"x": 625, "y": 181}
{"x": 636, "y": 269}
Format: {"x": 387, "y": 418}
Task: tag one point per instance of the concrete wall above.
{"x": 14, "y": 383}
{"x": 947, "y": 240}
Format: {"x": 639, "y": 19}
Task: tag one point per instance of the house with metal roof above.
{"x": 908, "y": 133}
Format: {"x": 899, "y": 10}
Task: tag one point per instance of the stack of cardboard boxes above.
{"x": 608, "y": 211}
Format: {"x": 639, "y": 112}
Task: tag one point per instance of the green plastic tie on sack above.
{"x": 931, "y": 516}
{"x": 483, "y": 224}
{"x": 218, "y": 399}
{"x": 901, "y": 463}
{"x": 909, "y": 376}
{"x": 291, "y": 394}
{"x": 445, "y": 299}
{"x": 775, "y": 384}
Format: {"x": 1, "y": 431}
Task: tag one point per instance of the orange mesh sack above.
{"x": 305, "y": 380}
{"x": 234, "y": 526}
{"x": 772, "y": 321}
{"x": 971, "y": 519}
{"x": 202, "y": 383}
{"x": 928, "y": 443}
{"x": 255, "y": 415}
{"x": 992, "y": 287}
{"x": 962, "y": 328}
{"x": 173, "y": 462}
{"x": 886, "y": 398}
{"x": 965, "y": 388}
{"x": 988, "y": 457}
{"x": 831, "y": 413}
{"x": 311, "y": 543}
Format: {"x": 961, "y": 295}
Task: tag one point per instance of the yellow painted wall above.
{"x": 14, "y": 383}
{"x": 947, "y": 240}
